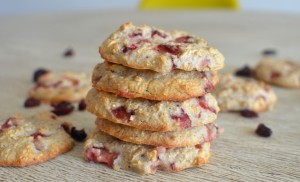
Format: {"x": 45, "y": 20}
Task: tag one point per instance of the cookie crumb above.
{"x": 69, "y": 53}
{"x": 263, "y": 131}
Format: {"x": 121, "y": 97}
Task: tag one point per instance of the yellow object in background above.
{"x": 189, "y": 4}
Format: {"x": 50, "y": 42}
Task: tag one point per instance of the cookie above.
{"x": 145, "y": 47}
{"x": 171, "y": 139}
{"x": 284, "y": 73}
{"x": 241, "y": 93}
{"x": 56, "y": 87}
{"x": 130, "y": 83}
{"x": 32, "y": 140}
{"x": 153, "y": 115}
{"x": 102, "y": 148}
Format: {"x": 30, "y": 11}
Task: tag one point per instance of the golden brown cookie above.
{"x": 130, "y": 83}
{"x": 33, "y": 140}
{"x": 171, "y": 139}
{"x": 153, "y": 115}
{"x": 102, "y": 148}
{"x": 285, "y": 73}
{"x": 145, "y": 47}
{"x": 242, "y": 93}
{"x": 56, "y": 87}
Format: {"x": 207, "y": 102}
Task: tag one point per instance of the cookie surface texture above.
{"x": 130, "y": 83}
{"x": 145, "y": 47}
{"x": 240, "y": 93}
{"x": 284, "y": 73}
{"x": 102, "y": 148}
{"x": 171, "y": 139}
{"x": 153, "y": 115}
{"x": 32, "y": 140}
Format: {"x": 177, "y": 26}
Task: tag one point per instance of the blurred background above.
{"x": 9, "y": 7}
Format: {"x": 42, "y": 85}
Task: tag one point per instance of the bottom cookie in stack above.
{"x": 143, "y": 159}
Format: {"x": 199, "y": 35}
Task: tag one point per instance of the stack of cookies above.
{"x": 152, "y": 100}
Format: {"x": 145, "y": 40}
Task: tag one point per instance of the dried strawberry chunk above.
{"x": 249, "y": 114}
{"x": 206, "y": 107}
{"x": 246, "y": 71}
{"x": 121, "y": 113}
{"x": 158, "y": 33}
{"x": 172, "y": 49}
{"x": 275, "y": 75}
{"x": 82, "y": 105}
{"x": 101, "y": 155}
{"x": 128, "y": 48}
{"x": 12, "y": 121}
{"x": 69, "y": 53}
{"x": 135, "y": 34}
{"x": 38, "y": 73}
{"x": 185, "y": 39}
{"x": 37, "y": 143}
{"x": 199, "y": 146}
{"x": 184, "y": 119}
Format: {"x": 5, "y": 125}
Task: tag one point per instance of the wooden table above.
{"x": 33, "y": 41}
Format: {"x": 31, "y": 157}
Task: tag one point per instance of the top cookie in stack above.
{"x": 152, "y": 100}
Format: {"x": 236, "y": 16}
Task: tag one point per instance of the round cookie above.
{"x": 32, "y": 140}
{"x": 145, "y": 47}
{"x": 130, "y": 83}
{"x": 241, "y": 93}
{"x": 102, "y": 148}
{"x": 283, "y": 73}
{"x": 171, "y": 139}
{"x": 66, "y": 86}
{"x": 153, "y": 115}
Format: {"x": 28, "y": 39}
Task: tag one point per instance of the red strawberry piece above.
{"x": 121, "y": 113}
{"x": 172, "y": 49}
{"x": 275, "y": 75}
{"x": 158, "y": 33}
{"x": 12, "y": 121}
{"x": 128, "y": 48}
{"x": 185, "y": 39}
{"x": 205, "y": 106}
{"x": 184, "y": 119}
{"x": 101, "y": 155}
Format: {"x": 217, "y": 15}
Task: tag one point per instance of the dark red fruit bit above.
{"x": 156, "y": 32}
{"x": 184, "y": 39}
{"x": 78, "y": 135}
{"x": 101, "y": 155}
{"x": 32, "y": 102}
{"x": 173, "y": 166}
{"x": 249, "y": 114}
{"x": 69, "y": 53}
{"x": 184, "y": 119}
{"x": 82, "y": 105}
{"x": 206, "y": 107}
{"x": 172, "y": 49}
{"x": 135, "y": 34}
{"x": 63, "y": 108}
{"x": 38, "y": 73}
{"x": 198, "y": 146}
{"x": 128, "y": 48}
{"x": 209, "y": 87}
{"x": 12, "y": 121}
{"x": 246, "y": 71}
{"x": 263, "y": 131}
{"x": 269, "y": 52}
{"x": 121, "y": 113}
{"x": 275, "y": 75}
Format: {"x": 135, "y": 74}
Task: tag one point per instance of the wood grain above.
{"x": 29, "y": 42}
